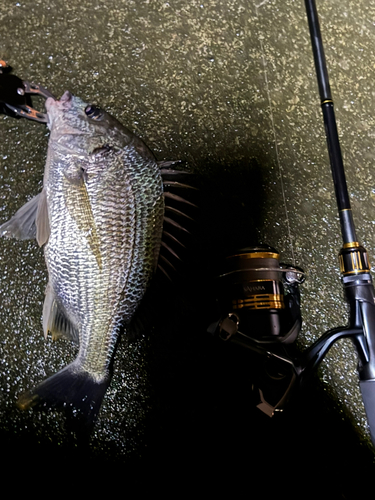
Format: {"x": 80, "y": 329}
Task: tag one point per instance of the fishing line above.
{"x": 280, "y": 169}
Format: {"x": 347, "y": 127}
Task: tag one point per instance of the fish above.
{"x": 100, "y": 218}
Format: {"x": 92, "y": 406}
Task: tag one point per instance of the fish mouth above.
{"x": 54, "y": 107}
{"x": 66, "y": 97}
{"x": 58, "y": 119}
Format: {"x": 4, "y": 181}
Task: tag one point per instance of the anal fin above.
{"x": 55, "y": 319}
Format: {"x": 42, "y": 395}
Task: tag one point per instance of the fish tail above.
{"x": 70, "y": 388}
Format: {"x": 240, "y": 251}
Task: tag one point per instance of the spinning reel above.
{"x": 259, "y": 303}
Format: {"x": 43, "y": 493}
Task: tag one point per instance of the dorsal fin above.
{"x": 179, "y": 214}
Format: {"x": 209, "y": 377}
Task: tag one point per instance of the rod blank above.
{"x": 334, "y": 150}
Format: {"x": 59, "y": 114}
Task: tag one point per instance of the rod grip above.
{"x": 368, "y": 396}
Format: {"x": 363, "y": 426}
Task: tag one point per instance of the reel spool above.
{"x": 261, "y": 296}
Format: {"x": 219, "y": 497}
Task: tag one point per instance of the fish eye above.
{"x": 93, "y": 112}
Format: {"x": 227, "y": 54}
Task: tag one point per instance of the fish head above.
{"x": 81, "y": 128}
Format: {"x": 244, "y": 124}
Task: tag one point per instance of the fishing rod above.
{"x": 354, "y": 264}
{"x": 259, "y": 301}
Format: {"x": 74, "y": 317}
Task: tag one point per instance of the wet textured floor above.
{"x": 229, "y": 87}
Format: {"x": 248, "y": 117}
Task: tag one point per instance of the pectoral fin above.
{"x": 30, "y": 221}
{"x": 43, "y": 229}
{"x": 55, "y": 319}
{"x": 78, "y": 203}
{"x": 22, "y": 224}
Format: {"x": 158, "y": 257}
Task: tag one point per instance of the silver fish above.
{"x": 100, "y": 219}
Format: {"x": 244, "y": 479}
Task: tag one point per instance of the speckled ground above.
{"x": 230, "y": 87}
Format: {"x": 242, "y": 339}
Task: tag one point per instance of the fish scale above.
{"x": 111, "y": 294}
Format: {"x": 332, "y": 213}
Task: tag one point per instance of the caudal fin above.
{"x": 71, "y": 389}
